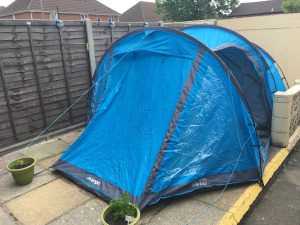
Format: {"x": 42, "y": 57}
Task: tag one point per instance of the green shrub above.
{"x": 122, "y": 207}
{"x": 291, "y": 6}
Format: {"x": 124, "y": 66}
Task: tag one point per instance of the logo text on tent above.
{"x": 96, "y": 182}
{"x": 202, "y": 182}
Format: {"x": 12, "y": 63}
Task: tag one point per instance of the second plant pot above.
{"x": 22, "y": 170}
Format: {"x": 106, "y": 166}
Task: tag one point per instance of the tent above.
{"x": 167, "y": 117}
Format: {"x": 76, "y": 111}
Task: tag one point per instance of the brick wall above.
{"x": 69, "y": 16}
{"x": 39, "y": 16}
{"x": 7, "y": 17}
{"x": 64, "y": 16}
{"x": 20, "y": 16}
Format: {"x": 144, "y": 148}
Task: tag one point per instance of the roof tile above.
{"x": 142, "y": 11}
{"x": 256, "y": 8}
{"x": 79, "y": 6}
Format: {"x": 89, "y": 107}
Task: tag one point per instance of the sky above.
{"x": 118, "y": 5}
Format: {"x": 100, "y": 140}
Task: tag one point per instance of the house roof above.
{"x": 142, "y": 11}
{"x": 1, "y": 8}
{"x": 256, "y": 8}
{"x": 92, "y": 7}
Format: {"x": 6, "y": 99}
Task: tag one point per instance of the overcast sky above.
{"x": 118, "y": 5}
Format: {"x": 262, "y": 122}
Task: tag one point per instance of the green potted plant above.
{"x": 22, "y": 170}
{"x": 120, "y": 212}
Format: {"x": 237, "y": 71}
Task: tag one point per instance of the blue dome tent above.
{"x": 167, "y": 117}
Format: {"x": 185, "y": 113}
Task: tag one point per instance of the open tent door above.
{"x": 243, "y": 69}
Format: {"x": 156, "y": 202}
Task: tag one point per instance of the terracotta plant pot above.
{"x": 22, "y": 170}
{"x": 108, "y": 210}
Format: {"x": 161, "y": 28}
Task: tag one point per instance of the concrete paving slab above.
{"x": 4, "y": 160}
{"x": 151, "y": 211}
{"x": 70, "y": 138}
{"x": 48, "y": 162}
{"x": 9, "y": 190}
{"x": 46, "y": 149}
{"x": 47, "y": 203}
{"x": 87, "y": 214}
{"x": 181, "y": 211}
{"x": 230, "y": 196}
{"x": 6, "y": 219}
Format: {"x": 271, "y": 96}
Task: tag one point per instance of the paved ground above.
{"x": 280, "y": 204}
{"x": 54, "y": 200}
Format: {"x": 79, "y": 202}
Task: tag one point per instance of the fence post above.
{"x": 65, "y": 73}
{"x": 112, "y": 25}
{"x": 90, "y": 45}
{"x": 11, "y": 120}
{"x": 36, "y": 75}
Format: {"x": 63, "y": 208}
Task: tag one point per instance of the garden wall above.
{"x": 286, "y": 116}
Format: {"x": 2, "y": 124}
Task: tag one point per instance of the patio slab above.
{"x": 48, "y": 162}
{"x": 87, "y": 214}
{"x": 230, "y": 196}
{"x": 187, "y": 211}
{"x": 46, "y": 149}
{"x": 47, "y": 203}
{"x": 151, "y": 211}
{"x": 70, "y": 138}
{"x": 6, "y": 219}
{"x": 9, "y": 190}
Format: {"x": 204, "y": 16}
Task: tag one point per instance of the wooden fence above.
{"x": 43, "y": 69}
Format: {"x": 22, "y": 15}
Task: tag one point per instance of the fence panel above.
{"x": 43, "y": 70}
